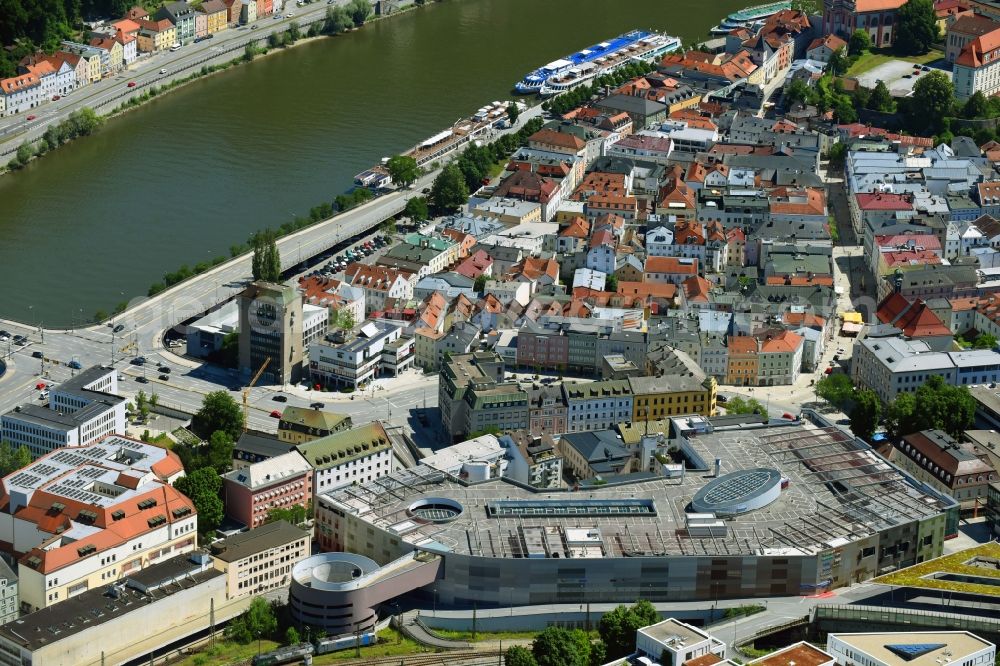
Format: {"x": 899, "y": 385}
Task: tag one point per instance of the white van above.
{"x": 176, "y": 46}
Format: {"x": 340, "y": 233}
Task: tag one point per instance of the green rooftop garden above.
{"x": 956, "y": 563}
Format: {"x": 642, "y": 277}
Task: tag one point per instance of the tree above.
{"x": 249, "y": 52}
{"x": 449, "y": 191}
{"x": 880, "y": 99}
{"x": 24, "y": 153}
{"x": 738, "y": 405}
{"x": 838, "y": 62}
{"x": 142, "y": 405}
{"x": 12, "y": 459}
{"x": 916, "y": 28}
{"x": 402, "y": 169}
{"x": 359, "y": 11}
{"x": 935, "y": 405}
{"x": 202, "y": 487}
{"x": 512, "y": 113}
{"x": 292, "y": 636}
{"x": 796, "y": 91}
{"x": 337, "y": 21}
{"x": 480, "y": 284}
{"x": 866, "y": 414}
{"x": 294, "y": 32}
{"x": 275, "y": 40}
{"x": 266, "y": 262}
{"x": 556, "y": 646}
{"x": 611, "y": 283}
{"x": 219, "y": 412}
{"x": 345, "y": 319}
{"x": 985, "y": 341}
{"x": 259, "y": 620}
{"x": 618, "y": 626}
{"x": 519, "y": 656}
{"x": 836, "y": 389}
{"x": 220, "y": 452}
{"x": 416, "y": 209}
{"x": 843, "y": 109}
{"x": 294, "y": 514}
{"x": 859, "y": 43}
{"x": 932, "y": 100}
{"x": 837, "y": 154}
{"x": 976, "y": 106}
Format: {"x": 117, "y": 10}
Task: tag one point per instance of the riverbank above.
{"x": 33, "y": 149}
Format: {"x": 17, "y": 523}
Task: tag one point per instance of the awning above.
{"x": 852, "y": 329}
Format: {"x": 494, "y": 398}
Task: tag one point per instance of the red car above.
{"x": 56, "y": 98}
{"x": 131, "y": 84}
{"x": 276, "y": 414}
{"x": 32, "y": 117}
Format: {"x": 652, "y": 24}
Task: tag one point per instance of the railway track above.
{"x": 453, "y": 658}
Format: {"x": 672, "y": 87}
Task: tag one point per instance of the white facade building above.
{"x": 20, "y": 93}
{"x": 315, "y": 320}
{"x": 681, "y": 641}
{"x": 353, "y": 362}
{"x": 598, "y": 405}
{"x": 80, "y": 411}
{"x": 941, "y": 648}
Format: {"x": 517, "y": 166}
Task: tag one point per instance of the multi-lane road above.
{"x": 104, "y": 95}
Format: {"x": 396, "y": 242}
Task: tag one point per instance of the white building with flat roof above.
{"x": 918, "y": 648}
{"x": 474, "y": 459}
{"x": 679, "y": 640}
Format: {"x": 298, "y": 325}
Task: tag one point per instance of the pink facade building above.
{"x": 276, "y": 483}
{"x": 538, "y": 347}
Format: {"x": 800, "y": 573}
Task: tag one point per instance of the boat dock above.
{"x": 482, "y": 122}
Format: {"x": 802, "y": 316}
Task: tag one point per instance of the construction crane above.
{"x": 246, "y": 392}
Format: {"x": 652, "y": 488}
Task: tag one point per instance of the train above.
{"x": 304, "y": 651}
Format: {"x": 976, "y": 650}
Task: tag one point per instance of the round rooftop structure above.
{"x": 435, "y": 509}
{"x": 332, "y": 571}
{"x": 738, "y": 492}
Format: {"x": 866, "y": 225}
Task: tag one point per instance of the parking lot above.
{"x": 900, "y": 76}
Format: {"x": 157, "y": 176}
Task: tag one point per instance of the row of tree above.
{"x": 452, "y": 186}
{"x": 82, "y": 122}
{"x": 556, "y": 646}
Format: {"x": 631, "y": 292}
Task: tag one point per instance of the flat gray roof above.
{"x": 805, "y": 518}
{"x": 257, "y": 540}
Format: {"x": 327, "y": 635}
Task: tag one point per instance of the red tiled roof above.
{"x": 784, "y": 342}
{"x": 561, "y": 139}
{"x": 883, "y": 201}
{"x": 915, "y": 319}
{"x": 862, "y": 6}
{"x": 673, "y": 265}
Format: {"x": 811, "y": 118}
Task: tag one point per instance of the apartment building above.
{"x": 260, "y": 559}
{"x": 891, "y": 365}
{"x": 597, "y": 405}
{"x": 381, "y": 284}
{"x": 351, "y": 456}
{"x": 950, "y": 466}
{"x": 299, "y": 424}
{"x": 977, "y": 68}
{"x": 358, "y": 359}
{"x": 82, "y": 518}
{"x": 473, "y": 396}
{"x": 276, "y": 483}
{"x": 534, "y": 460}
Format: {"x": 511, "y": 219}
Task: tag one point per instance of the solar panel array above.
{"x": 67, "y": 490}
{"x": 557, "y": 509}
{"x": 25, "y": 479}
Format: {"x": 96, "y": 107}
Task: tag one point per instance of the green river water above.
{"x": 186, "y": 176}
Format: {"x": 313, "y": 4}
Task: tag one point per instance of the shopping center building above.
{"x": 781, "y": 510}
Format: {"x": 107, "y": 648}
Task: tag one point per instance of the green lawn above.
{"x": 391, "y": 644}
{"x": 226, "y": 653}
{"x": 485, "y": 635}
{"x": 954, "y": 563}
{"x": 869, "y": 61}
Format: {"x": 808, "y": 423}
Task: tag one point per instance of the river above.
{"x": 189, "y": 174}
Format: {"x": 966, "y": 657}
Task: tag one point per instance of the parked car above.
{"x": 20, "y": 340}
{"x": 276, "y": 414}
{"x": 280, "y": 398}
{"x": 142, "y": 380}
{"x": 164, "y": 378}
{"x": 37, "y": 354}
{"x": 317, "y": 405}
{"x": 56, "y": 98}
{"x": 131, "y": 84}
{"x": 164, "y": 369}
{"x": 138, "y": 361}
{"x": 721, "y": 398}
{"x": 788, "y": 416}
{"x": 163, "y": 71}
{"x": 75, "y": 364}
{"x": 119, "y": 328}
{"x": 32, "y": 117}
